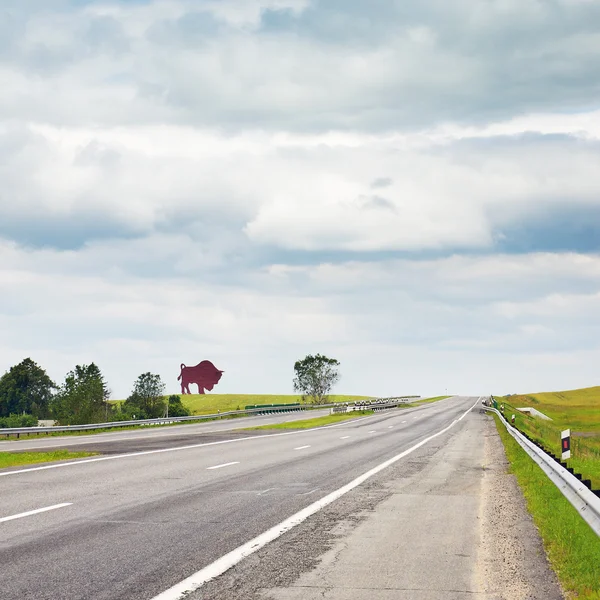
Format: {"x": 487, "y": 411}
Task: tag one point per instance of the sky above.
{"x": 410, "y": 188}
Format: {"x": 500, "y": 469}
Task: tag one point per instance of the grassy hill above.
{"x": 577, "y": 410}
{"x": 205, "y": 404}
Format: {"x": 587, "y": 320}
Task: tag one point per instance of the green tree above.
{"x": 26, "y": 388}
{"x": 147, "y": 398}
{"x": 315, "y": 376}
{"x": 176, "y": 408}
{"x": 83, "y": 397}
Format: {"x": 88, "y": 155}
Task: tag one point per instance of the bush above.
{"x": 176, "y": 408}
{"x": 18, "y": 421}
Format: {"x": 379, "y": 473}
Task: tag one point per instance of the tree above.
{"x": 147, "y": 398}
{"x": 315, "y": 376}
{"x": 176, "y": 408}
{"x": 83, "y": 398}
{"x": 26, "y": 388}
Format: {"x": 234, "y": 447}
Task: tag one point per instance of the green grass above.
{"x": 578, "y": 410}
{"x": 424, "y": 401}
{"x": 206, "y": 404}
{"x": 572, "y": 546}
{"x": 14, "y": 459}
{"x": 316, "y": 422}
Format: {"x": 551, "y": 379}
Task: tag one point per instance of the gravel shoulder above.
{"x": 512, "y": 563}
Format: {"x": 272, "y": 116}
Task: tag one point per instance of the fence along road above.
{"x": 585, "y": 502}
{"x": 133, "y": 526}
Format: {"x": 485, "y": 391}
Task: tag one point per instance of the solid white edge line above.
{"x": 236, "y": 462}
{"x": 218, "y": 567}
{"x": 301, "y": 447}
{"x": 85, "y": 461}
{"x": 34, "y": 512}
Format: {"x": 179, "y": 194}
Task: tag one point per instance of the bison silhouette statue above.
{"x": 205, "y": 375}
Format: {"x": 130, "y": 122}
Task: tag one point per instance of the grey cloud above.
{"x": 377, "y": 203}
{"x": 97, "y": 154}
{"x": 43, "y": 229}
{"x": 190, "y": 30}
{"x": 381, "y": 182}
{"x": 568, "y": 227}
{"x": 393, "y": 65}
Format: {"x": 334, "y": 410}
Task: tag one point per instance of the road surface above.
{"x": 133, "y": 525}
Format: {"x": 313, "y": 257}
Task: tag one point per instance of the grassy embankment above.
{"x": 15, "y": 459}
{"x": 316, "y": 422}
{"x": 206, "y": 404}
{"x": 424, "y": 401}
{"x": 577, "y": 410}
{"x": 572, "y": 547}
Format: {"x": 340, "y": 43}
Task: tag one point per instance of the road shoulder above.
{"x": 513, "y": 563}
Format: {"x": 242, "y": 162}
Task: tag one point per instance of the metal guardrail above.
{"x": 170, "y": 420}
{"x": 161, "y": 421}
{"x": 585, "y": 502}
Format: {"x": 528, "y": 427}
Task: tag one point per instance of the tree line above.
{"x": 28, "y": 394}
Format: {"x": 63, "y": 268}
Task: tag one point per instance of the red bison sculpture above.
{"x": 205, "y": 375}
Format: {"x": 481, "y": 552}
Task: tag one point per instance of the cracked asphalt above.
{"x": 130, "y": 527}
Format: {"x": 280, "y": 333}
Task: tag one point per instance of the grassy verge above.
{"x": 14, "y": 459}
{"x": 424, "y": 401}
{"x": 572, "y": 547}
{"x": 316, "y": 422}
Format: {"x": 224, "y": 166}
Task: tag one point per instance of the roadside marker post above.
{"x": 565, "y": 438}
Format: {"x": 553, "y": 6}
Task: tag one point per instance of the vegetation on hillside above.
{"x": 577, "y": 410}
{"x": 206, "y": 404}
{"x": 15, "y": 459}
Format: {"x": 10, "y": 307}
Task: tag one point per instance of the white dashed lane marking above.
{"x": 34, "y": 512}
{"x": 237, "y": 462}
{"x": 301, "y": 447}
{"x": 344, "y": 437}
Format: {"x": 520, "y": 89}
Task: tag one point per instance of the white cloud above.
{"x": 416, "y": 193}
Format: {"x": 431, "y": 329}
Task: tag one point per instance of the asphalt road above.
{"x": 148, "y": 438}
{"x": 129, "y": 526}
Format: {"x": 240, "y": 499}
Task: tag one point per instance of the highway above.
{"x": 132, "y": 525}
{"x": 152, "y": 437}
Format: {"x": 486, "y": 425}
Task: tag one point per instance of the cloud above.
{"x": 412, "y": 188}
{"x": 298, "y": 65}
{"x": 96, "y": 304}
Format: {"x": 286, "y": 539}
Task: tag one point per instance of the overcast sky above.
{"x": 412, "y": 188}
